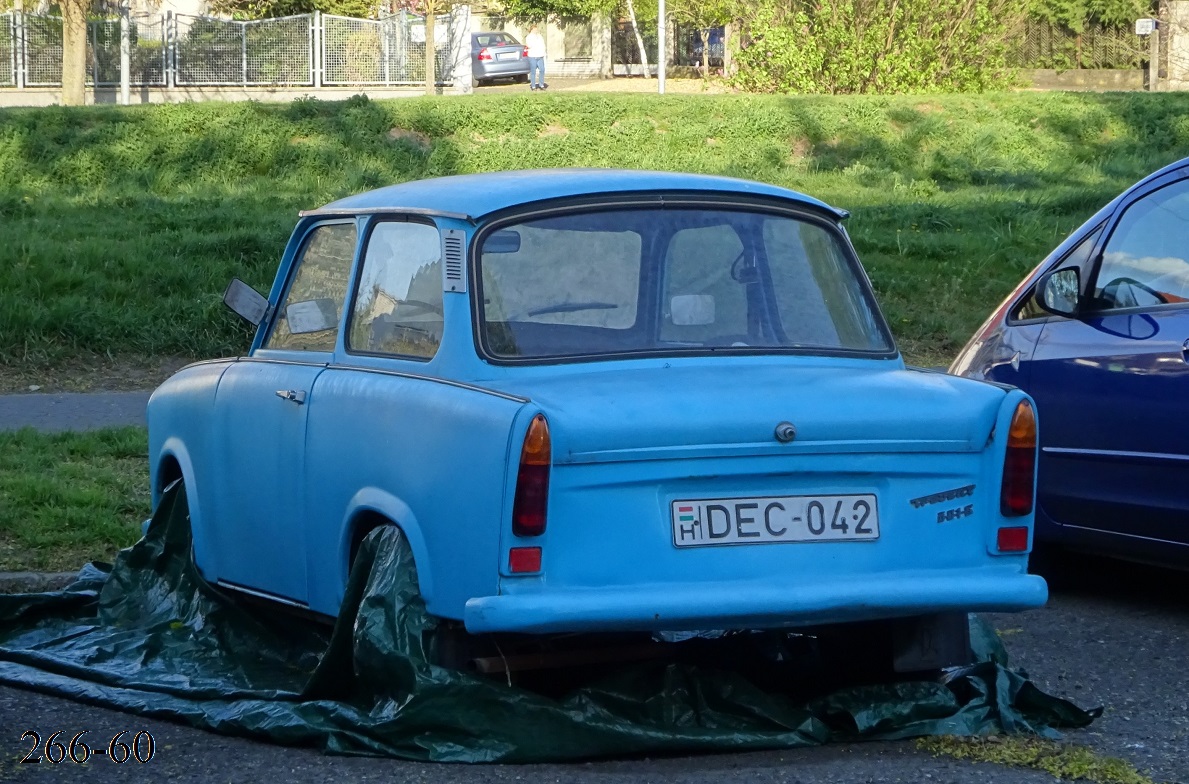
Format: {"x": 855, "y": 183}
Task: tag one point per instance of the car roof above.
{"x": 475, "y": 195}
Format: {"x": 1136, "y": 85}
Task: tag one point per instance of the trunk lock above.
{"x": 785, "y": 432}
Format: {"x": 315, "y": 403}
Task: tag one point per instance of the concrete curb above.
{"x": 34, "y": 582}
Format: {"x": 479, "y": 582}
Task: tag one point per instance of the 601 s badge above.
{"x": 55, "y": 751}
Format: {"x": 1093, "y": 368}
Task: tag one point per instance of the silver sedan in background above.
{"x": 497, "y": 55}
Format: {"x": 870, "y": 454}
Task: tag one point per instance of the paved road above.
{"x": 72, "y": 410}
{"x": 1113, "y": 635}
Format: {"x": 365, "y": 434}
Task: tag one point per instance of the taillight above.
{"x": 1019, "y": 466}
{"x": 484, "y": 54}
{"x": 532, "y": 480}
{"x": 524, "y": 52}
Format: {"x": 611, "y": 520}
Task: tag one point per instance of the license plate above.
{"x": 506, "y": 56}
{"x": 790, "y": 518}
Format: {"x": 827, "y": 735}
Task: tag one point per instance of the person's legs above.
{"x": 536, "y": 69}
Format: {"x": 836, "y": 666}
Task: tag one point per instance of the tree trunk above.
{"x": 705, "y": 33}
{"x": 730, "y": 40}
{"x": 431, "y": 56}
{"x": 639, "y": 39}
{"x": 74, "y": 51}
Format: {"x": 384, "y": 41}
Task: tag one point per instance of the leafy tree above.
{"x": 269, "y": 9}
{"x": 541, "y": 10}
{"x": 874, "y": 46}
{"x": 430, "y": 10}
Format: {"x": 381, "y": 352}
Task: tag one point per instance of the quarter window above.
{"x": 1145, "y": 261}
{"x": 310, "y": 319}
{"x": 398, "y": 309}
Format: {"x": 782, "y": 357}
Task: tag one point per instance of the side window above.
{"x": 1146, "y": 260}
{"x": 1029, "y": 308}
{"x": 398, "y": 307}
{"x": 310, "y": 319}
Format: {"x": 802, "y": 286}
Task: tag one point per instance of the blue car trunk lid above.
{"x": 725, "y": 409}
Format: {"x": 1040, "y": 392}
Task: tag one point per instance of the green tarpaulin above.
{"x": 149, "y": 636}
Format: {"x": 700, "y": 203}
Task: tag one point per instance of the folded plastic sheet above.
{"x": 148, "y": 635}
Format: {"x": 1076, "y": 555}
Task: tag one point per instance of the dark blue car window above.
{"x": 673, "y": 280}
{"x": 1146, "y": 260}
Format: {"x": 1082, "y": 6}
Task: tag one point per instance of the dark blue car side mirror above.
{"x": 1059, "y": 292}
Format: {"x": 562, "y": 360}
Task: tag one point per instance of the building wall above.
{"x": 1176, "y": 38}
{"x": 573, "y": 48}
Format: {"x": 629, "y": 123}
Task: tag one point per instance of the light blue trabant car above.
{"x": 601, "y": 401}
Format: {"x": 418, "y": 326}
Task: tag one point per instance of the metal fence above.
{"x": 309, "y": 50}
{"x": 390, "y": 51}
{"x": 216, "y": 52}
{"x": 8, "y": 63}
{"x": 148, "y": 50}
{"x": 1041, "y": 44}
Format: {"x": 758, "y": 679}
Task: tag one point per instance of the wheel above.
{"x": 521, "y": 79}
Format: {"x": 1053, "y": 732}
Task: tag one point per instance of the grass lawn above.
{"x": 69, "y": 498}
{"x": 123, "y": 224}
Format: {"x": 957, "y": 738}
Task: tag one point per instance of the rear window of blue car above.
{"x": 673, "y": 280}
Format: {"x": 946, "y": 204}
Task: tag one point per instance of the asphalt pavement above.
{"x": 72, "y": 410}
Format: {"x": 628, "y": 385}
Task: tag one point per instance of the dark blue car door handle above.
{"x": 298, "y": 396}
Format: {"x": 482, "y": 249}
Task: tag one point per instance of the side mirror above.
{"x": 245, "y": 302}
{"x": 1059, "y": 292}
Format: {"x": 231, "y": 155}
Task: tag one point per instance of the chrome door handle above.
{"x": 297, "y": 396}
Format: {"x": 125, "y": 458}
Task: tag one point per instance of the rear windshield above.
{"x": 494, "y": 39}
{"x": 673, "y": 280}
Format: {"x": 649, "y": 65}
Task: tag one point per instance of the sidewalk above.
{"x": 57, "y": 412}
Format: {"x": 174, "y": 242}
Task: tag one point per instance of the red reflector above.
{"x": 1012, "y": 540}
{"x": 523, "y": 560}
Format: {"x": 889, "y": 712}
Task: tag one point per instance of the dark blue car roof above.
{"x": 475, "y": 195}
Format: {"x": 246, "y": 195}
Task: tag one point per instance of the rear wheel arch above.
{"x": 372, "y": 508}
{"x": 169, "y": 470}
{"x": 364, "y": 523}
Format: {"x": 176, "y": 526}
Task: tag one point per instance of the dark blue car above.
{"x": 1098, "y": 334}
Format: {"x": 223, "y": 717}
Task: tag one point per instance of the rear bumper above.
{"x": 498, "y": 70}
{"x": 753, "y": 605}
